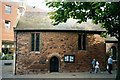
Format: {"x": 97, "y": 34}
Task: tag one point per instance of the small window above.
{"x": 69, "y": 58}
{"x": 35, "y": 39}
{"x": 37, "y": 42}
{"x": 7, "y": 24}
{"x": 82, "y": 42}
{"x": 79, "y": 42}
{"x": 32, "y": 41}
{"x": 8, "y": 9}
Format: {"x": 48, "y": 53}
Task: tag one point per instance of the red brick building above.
{"x": 67, "y": 47}
{"x": 8, "y": 17}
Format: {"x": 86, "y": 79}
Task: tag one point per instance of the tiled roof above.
{"x": 41, "y": 21}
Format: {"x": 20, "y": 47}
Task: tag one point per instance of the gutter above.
{"x": 59, "y": 30}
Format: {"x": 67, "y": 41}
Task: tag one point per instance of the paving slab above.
{"x": 7, "y": 74}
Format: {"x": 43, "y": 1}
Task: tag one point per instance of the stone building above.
{"x": 67, "y": 47}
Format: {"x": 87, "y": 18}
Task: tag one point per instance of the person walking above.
{"x": 110, "y": 62}
{"x": 97, "y": 67}
{"x": 93, "y": 63}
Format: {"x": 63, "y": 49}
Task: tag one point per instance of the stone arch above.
{"x": 113, "y": 52}
{"x": 54, "y": 64}
{"x": 54, "y": 56}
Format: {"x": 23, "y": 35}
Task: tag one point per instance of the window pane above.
{"x": 32, "y": 42}
{"x": 37, "y": 41}
{"x": 5, "y": 50}
{"x": 8, "y": 9}
{"x": 79, "y": 42}
{"x": 7, "y": 24}
{"x": 84, "y": 42}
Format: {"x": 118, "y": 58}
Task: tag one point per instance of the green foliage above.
{"x": 106, "y": 13}
{"x": 104, "y": 34}
{"x": 0, "y": 54}
{"x": 7, "y": 57}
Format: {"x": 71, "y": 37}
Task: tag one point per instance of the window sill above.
{"x": 36, "y": 52}
{"x": 7, "y": 13}
{"x": 82, "y": 50}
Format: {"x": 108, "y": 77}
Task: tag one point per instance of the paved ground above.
{"x": 7, "y": 74}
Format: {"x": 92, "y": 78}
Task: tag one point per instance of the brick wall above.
{"x": 8, "y": 34}
{"x": 58, "y": 44}
{"x": 0, "y": 26}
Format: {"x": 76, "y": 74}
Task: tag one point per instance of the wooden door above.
{"x": 54, "y": 64}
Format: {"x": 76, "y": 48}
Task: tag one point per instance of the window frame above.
{"x": 7, "y": 23}
{"x": 8, "y": 9}
{"x": 35, "y": 42}
{"x": 82, "y": 41}
{"x": 68, "y": 57}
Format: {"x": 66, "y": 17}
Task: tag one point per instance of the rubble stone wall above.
{"x": 58, "y": 44}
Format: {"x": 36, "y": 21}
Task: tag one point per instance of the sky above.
{"x": 38, "y": 4}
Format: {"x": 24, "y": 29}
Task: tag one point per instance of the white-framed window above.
{"x": 7, "y": 24}
{"x": 7, "y": 9}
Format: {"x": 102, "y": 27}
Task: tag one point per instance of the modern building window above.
{"x": 35, "y": 41}
{"x": 81, "y": 41}
{"x": 7, "y": 24}
{"x": 7, "y": 9}
{"x": 69, "y": 58}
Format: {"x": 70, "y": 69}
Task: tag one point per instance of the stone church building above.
{"x": 67, "y": 47}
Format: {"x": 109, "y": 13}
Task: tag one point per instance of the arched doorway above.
{"x": 113, "y": 52}
{"x": 54, "y": 64}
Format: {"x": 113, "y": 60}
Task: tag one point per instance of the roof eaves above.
{"x": 55, "y": 29}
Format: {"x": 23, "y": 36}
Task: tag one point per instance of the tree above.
{"x": 105, "y": 13}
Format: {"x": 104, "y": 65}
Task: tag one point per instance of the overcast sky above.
{"x": 38, "y": 3}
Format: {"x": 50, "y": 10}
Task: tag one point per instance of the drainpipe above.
{"x": 14, "y": 70}
{"x": 15, "y": 53}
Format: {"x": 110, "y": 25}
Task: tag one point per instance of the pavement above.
{"x": 7, "y": 74}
